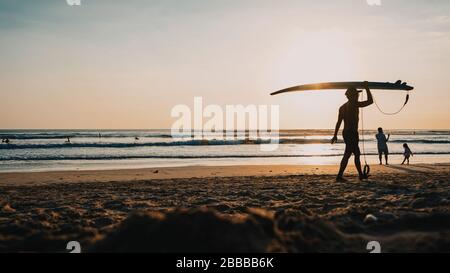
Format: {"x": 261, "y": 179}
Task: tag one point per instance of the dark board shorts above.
{"x": 383, "y": 150}
{"x": 351, "y": 139}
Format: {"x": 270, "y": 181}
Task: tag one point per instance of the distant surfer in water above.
{"x": 349, "y": 113}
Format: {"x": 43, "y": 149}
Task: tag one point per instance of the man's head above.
{"x": 380, "y": 130}
{"x": 352, "y": 94}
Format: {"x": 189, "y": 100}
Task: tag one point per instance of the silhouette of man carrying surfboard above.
{"x": 349, "y": 114}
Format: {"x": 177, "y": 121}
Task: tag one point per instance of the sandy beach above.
{"x": 227, "y": 209}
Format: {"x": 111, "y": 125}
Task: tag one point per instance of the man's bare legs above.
{"x": 358, "y": 164}
{"x": 344, "y": 163}
{"x": 386, "y": 157}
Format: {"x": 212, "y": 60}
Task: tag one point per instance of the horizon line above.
{"x": 146, "y": 129}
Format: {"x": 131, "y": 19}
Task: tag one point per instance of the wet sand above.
{"x": 227, "y": 209}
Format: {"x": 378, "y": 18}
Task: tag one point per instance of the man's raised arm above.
{"x": 369, "y": 100}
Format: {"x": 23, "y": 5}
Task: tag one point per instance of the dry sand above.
{"x": 231, "y": 209}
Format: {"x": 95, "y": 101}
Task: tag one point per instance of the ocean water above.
{"x": 43, "y": 150}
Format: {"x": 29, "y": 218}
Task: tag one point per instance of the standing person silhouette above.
{"x": 382, "y": 145}
{"x": 349, "y": 113}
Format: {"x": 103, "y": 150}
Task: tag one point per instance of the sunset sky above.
{"x": 125, "y": 64}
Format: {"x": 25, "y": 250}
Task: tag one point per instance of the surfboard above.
{"x": 398, "y": 85}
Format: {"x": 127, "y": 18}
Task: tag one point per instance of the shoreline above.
{"x": 167, "y": 173}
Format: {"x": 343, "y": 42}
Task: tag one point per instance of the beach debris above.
{"x": 156, "y": 171}
{"x": 370, "y": 218}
